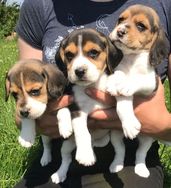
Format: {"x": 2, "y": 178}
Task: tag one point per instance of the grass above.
{"x": 13, "y": 158}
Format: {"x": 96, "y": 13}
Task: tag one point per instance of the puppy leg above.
{"x": 100, "y": 138}
{"x": 28, "y": 133}
{"x": 130, "y": 124}
{"x": 140, "y": 165}
{"x": 84, "y": 151}
{"x": 61, "y": 174}
{"x": 119, "y": 146}
{"x": 46, "y": 157}
{"x": 64, "y": 122}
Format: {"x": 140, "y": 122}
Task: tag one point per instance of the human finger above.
{"x": 101, "y": 96}
{"x": 104, "y": 114}
{"x": 64, "y": 101}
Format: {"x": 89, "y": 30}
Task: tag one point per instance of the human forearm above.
{"x": 26, "y": 51}
{"x": 151, "y": 112}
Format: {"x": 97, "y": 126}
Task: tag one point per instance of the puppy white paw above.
{"x": 85, "y": 156}
{"x": 111, "y": 85}
{"x": 114, "y": 82}
{"x": 110, "y": 88}
{"x": 46, "y": 158}
{"x": 115, "y": 167}
{"x": 125, "y": 89}
{"x": 57, "y": 177}
{"x": 65, "y": 132}
{"x": 141, "y": 170}
{"x": 26, "y": 142}
{"x": 64, "y": 122}
{"x": 131, "y": 128}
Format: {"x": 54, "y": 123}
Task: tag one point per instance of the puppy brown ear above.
{"x": 160, "y": 49}
{"x": 56, "y": 81}
{"x": 7, "y": 87}
{"x": 59, "y": 59}
{"x": 114, "y": 56}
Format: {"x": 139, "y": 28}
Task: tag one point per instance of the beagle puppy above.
{"x": 84, "y": 55}
{"x": 33, "y": 83}
{"x": 140, "y": 37}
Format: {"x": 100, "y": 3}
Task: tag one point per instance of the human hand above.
{"x": 104, "y": 118}
{"x": 47, "y": 124}
{"x": 151, "y": 112}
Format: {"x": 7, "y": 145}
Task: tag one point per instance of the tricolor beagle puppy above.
{"x": 85, "y": 54}
{"x": 140, "y": 37}
{"x": 33, "y": 83}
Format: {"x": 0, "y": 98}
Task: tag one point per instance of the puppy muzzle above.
{"x": 80, "y": 72}
{"x": 24, "y": 113}
{"x": 121, "y": 31}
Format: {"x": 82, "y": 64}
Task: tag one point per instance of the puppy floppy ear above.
{"x": 60, "y": 57}
{"x": 7, "y": 87}
{"x": 160, "y": 49}
{"x": 114, "y": 56}
{"x": 56, "y": 81}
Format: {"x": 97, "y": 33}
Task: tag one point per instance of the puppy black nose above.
{"x": 24, "y": 113}
{"x": 121, "y": 32}
{"x": 80, "y": 72}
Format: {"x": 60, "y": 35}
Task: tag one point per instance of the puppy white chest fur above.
{"x": 86, "y": 103}
{"x": 133, "y": 74}
{"x": 132, "y": 64}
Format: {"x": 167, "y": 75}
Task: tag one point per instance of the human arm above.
{"x": 151, "y": 112}
{"x": 26, "y": 51}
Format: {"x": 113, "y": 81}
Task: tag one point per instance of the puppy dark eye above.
{"x": 93, "y": 53}
{"x": 69, "y": 56}
{"x": 15, "y": 95}
{"x": 120, "y": 20}
{"x": 34, "y": 92}
{"x": 140, "y": 26}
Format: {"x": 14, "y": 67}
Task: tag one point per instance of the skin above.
{"x": 151, "y": 111}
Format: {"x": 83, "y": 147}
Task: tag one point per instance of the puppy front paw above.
{"x": 126, "y": 89}
{"x": 64, "y": 131}
{"x": 111, "y": 85}
{"x": 131, "y": 128}
{"x": 115, "y": 82}
{"x": 26, "y": 142}
{"x": 85, "y": 156}
{"x": 64, "y": 122}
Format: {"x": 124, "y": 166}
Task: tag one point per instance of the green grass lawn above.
{"x": 14, "y": 158}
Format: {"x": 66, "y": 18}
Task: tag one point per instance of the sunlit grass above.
{"x": 13, "y": 158}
